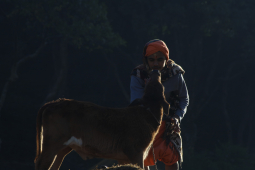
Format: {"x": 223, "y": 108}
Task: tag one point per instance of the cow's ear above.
{"x": 136, "y": 102}
{"x": 166, "y": 107}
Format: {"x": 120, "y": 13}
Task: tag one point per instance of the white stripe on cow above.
{"x": 74, "y": 141}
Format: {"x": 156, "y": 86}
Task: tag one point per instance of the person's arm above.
{"x": 136, "y": 88}
{"x": 183, "y": 96}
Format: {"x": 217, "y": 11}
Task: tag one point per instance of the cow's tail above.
{"x": 39, "y": 131}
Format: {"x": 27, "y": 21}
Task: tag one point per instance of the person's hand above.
{"x": 175, "y": 122}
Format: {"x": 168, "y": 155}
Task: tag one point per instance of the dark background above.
{"x": 85, "y": 50}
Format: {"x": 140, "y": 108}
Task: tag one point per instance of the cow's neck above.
{"x": 155, "y": 112}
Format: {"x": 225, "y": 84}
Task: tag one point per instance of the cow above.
{"x": 93, "y": 131}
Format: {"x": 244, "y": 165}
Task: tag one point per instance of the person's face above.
{"x": 156, "y": 61}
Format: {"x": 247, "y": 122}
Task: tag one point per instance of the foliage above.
{"x": 122, "y": 167}
{"x": 83, "y": 23}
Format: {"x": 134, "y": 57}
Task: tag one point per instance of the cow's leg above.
{"x": 49, "y": 154}
{"x": 45, "y": 160}
{"x": 60, "y": 157}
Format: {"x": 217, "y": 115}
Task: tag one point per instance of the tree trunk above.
{"x": 14, "y": 76}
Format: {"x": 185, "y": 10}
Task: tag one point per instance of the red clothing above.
{"x": 163, "y": 152}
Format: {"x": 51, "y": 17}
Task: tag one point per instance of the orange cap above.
{"x": 156, "y": 46}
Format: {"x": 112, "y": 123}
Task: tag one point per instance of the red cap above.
{"x": 156, "y": 46}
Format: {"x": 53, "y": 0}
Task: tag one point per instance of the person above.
{"x": 167, "y": 146}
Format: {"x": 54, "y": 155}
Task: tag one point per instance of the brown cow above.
{"x": 123, "y": 134}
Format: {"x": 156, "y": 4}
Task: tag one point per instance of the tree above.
{"x": 80, "y": 23}
{"x": 37, "y": 39}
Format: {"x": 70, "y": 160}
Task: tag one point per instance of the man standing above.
{"x": 167, "y": 146}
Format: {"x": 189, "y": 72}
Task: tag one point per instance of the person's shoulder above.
{"x": 140, "y": 72}
{"x": 175, "y": 68}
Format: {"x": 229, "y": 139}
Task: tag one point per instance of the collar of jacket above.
{"x": 167, "y": 72}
